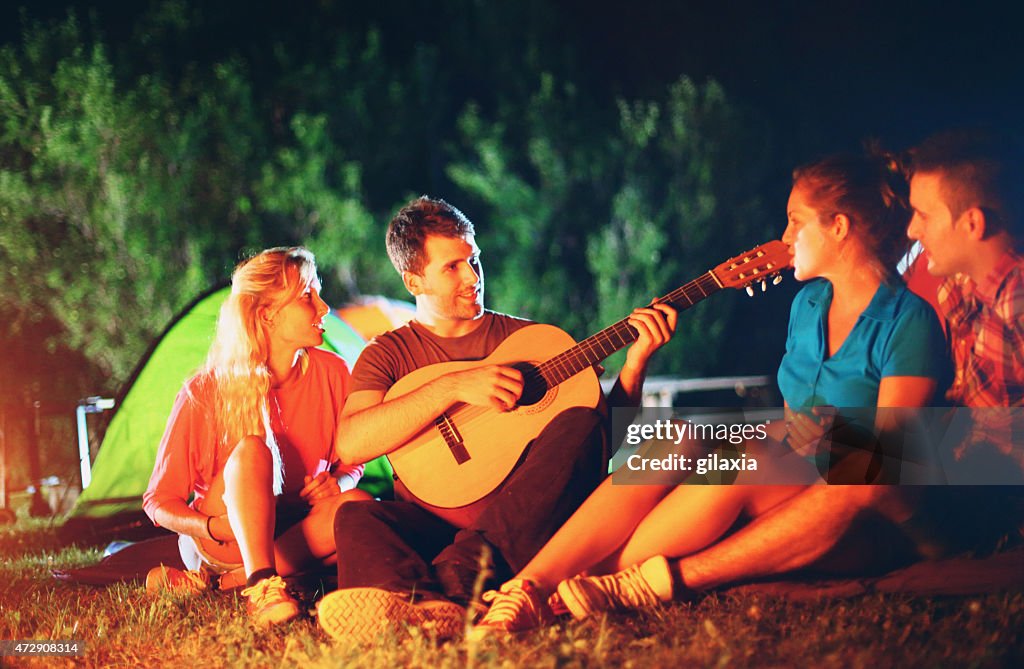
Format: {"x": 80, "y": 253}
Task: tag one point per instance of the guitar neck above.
{"x": 596, "y": 348}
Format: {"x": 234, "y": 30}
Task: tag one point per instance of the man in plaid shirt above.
{"x": 966, "y": 196}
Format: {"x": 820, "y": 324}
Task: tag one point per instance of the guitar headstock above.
{"x": 755, "y": 266}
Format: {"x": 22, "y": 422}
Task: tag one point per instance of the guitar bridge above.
{"x": 446, "y": 426}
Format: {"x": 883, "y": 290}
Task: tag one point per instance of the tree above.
{"x": 85, "y": 194}
{"x": 587, "y": 219}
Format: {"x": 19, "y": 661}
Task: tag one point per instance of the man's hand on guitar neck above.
{"x": 655, "y": 326}
{"x": 494, "y": 386}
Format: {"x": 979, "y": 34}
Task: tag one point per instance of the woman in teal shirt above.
{"x": 857, "y": 339}
{"x": 896, "y": 335}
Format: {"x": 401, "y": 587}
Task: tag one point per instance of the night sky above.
{"x": 830, "y": 72}
{"x": 825, "y": 74}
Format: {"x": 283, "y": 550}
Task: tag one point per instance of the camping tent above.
{"x": 126, "y": 456}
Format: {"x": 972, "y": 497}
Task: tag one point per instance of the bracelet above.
{"x": 209, "y": 532}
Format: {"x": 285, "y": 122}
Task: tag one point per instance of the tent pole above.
{"x": 83, "y": 446}
{"x": 92, "y": 404}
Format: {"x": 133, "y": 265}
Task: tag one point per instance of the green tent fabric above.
{"x": 126, "y": 456}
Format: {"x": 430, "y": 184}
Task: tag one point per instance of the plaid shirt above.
{"x": 986, "y": 331}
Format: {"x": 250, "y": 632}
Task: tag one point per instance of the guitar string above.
{"x": 469, "y": 413}
{"x": 563, "y": 362}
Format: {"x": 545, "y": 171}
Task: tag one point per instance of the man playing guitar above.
{"x": 389, "y": 552}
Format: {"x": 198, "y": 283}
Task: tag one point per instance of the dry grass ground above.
{"x": 124, "y": 627}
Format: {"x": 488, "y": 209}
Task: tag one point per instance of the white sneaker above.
{"x": 641, "y": 586}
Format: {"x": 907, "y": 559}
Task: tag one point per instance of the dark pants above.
{"x": 400, "y": 546}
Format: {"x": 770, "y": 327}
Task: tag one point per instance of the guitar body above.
{"x": 470, "y": 450}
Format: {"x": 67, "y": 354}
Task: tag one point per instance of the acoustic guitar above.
{"x": 468, "y": 451}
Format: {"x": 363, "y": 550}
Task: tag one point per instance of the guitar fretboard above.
{"x": 596, "y": 348}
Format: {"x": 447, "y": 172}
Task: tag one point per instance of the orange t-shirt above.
{"x": 304, "y": 416}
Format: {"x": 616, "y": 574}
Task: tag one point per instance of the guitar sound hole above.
{"x": 534, "y": 386}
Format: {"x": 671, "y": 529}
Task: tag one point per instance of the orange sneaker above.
{"x": 184, "y": 583}
{"x": 270, "y": 603}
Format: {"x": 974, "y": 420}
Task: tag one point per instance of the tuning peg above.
{"x": 750, "y": 291}
{"x": 764, "y": 286}
{"x": 777, "y": 280}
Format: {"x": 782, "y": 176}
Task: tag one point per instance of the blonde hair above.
{"x": 237, "y": 364}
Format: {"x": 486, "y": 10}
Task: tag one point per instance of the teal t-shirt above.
{"x": 898, "y": 334}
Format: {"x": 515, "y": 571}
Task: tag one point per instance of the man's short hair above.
{"x": 979, "y": 168}
{"x": 408, "y": 231}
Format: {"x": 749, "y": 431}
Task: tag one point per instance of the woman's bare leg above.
{"x": 250, "y": 503}
{"x": 691, "y": 518}
{"x": 602, "y": 523}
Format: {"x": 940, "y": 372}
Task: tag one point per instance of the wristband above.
{"x": 209, "y": 532}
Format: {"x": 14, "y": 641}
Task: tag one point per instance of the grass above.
{"x": 124, "y": 627}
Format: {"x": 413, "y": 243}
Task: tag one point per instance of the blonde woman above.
{"x": 245, "y": 473}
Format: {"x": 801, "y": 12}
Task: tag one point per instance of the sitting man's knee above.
{"x": 350, "y": 516}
